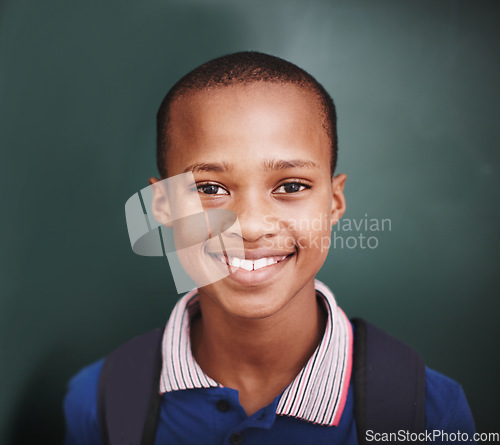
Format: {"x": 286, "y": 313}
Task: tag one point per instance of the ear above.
{"x": 160, "y": 205}
{"x": 338, "y": 201}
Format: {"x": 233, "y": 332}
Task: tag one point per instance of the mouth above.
{"x": 256, "y": 268}
{"x": 235, "y": 263}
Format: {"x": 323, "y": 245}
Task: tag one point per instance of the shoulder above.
{"x": 80, "y": 406}
{"x": 446, "y": 405}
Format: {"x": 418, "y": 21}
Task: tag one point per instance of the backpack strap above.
{"x": 389, "y": 383}
{"x": 128, "y": 401}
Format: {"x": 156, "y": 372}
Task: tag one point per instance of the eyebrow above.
{"x": 278, "y": 164}
{"x": 272, "y": 164}
{"x": 217, "y": 167}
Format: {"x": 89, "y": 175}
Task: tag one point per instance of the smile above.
{"x": 250, "y": 265}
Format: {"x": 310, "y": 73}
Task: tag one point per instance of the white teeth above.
{"x": 250, "y": 265}
{"x": 269, "y": 261}
{"x": 263, "y": 262}
{"x": 247, "y": 265}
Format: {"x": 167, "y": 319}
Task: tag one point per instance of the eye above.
{"x": 211, "y": 189}
{"x": 291, "y": 187}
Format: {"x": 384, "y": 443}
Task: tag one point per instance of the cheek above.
{"x": 200, "y": 267}
{"x": 312, "y": 235}
{"x": 190, "y": 231}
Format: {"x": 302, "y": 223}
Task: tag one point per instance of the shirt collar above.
{"x": 317, "y": 394}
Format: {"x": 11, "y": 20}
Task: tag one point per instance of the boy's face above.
{"x": 260, "y": 150}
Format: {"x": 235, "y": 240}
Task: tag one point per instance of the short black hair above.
{"x": 239, "y": 69}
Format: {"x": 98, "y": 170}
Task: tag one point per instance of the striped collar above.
{"x": 318, "y": 393}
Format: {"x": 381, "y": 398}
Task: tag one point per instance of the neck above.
{"x": 258, "y": 355}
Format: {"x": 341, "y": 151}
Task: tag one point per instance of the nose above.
{"x": 257, "y": 218}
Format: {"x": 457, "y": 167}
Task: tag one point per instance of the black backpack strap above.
{"x": 389, "y": 383}
{"x": 128, "y": 400}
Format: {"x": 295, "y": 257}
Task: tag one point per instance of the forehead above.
{"x": 294, "y": 98}
{"x": 246, "y": 119}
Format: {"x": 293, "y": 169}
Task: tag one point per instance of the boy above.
{"x": 263, "y": 355}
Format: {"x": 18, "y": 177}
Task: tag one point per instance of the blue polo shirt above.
{"x": 316, "y": 408}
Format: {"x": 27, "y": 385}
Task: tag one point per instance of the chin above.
{"x": 245, "y": 304}
{"x": 252, "y": 313}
